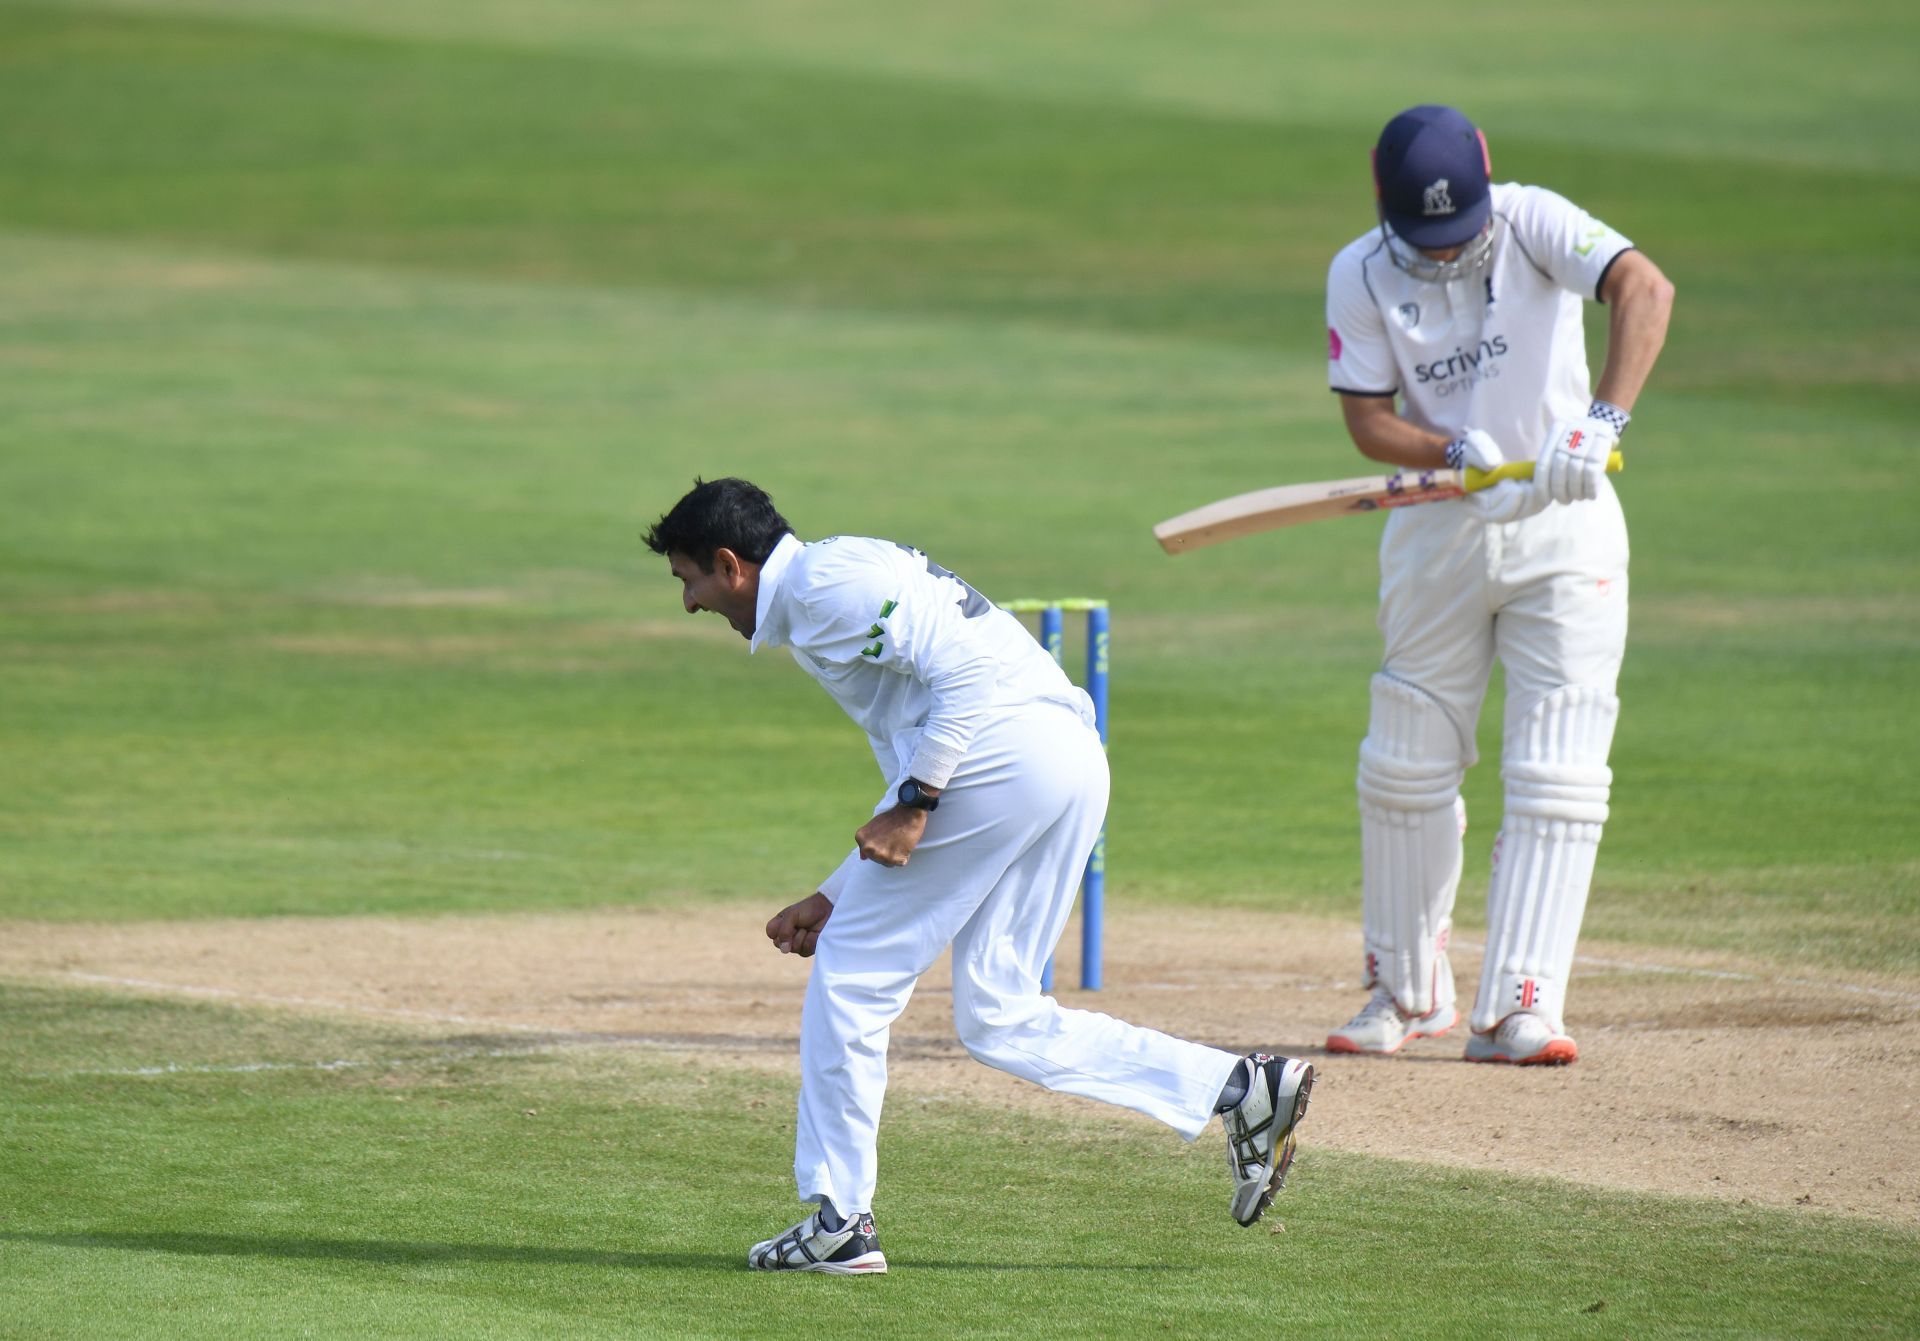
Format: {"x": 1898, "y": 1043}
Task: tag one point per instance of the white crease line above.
{"x": 1629, "y": 966}
{"x": 175, "y": 1069}
{"x": 1849, "y": 987}
{"x": 1622, "y": 965}
{"x": 701, "y": 1047}
{"x": 1730, "y": 975}
{"x": 248, "y": 1068}
{"x": 395, "y": 1011}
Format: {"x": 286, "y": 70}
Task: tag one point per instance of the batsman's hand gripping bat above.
{"x": 1291, "y": 504}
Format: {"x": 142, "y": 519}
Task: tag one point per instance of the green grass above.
{"x": 346, "y": 410}
{"x": 867, "y": 189}
{"x": 329, "y": 598}
{"x": 1764, "y": 90}
{"x": 347, "y": 348}
{"x": 591, "y": 1192}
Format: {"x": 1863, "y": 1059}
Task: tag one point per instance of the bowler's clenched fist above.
{"x": 795, "y": 929}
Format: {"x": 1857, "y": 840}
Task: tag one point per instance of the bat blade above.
{"x": 1293, "y": 504}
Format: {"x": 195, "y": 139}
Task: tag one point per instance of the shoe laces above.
{"x": 1381, "y": 1003}
{"x": 1521, "y": 1027}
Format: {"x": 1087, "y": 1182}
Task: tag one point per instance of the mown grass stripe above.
{"x": 860, "y": 192}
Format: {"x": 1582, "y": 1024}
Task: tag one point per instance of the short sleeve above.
{"x": 1359, "y": 356}
{"x": 912, "y": 624}
{"x": 854, "y": 624}
{"x": 1570, "y": 246}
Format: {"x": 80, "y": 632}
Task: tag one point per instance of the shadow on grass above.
{"x": 388, "y": 1253}
{"x": 383, "y": 1252}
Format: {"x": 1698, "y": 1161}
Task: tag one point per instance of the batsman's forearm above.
{"x": 1636, "y": 333}
{"x": 1382, "y": 435}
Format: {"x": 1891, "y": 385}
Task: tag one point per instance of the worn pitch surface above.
{"x": 1698, "y": 1075}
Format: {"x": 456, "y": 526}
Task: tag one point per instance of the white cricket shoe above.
{"x": 1381, "y": 1026}
{"x": 1523, "y": 1039}
{"x": 1260, "y": 1130}
{"x": 851, "y": 1250}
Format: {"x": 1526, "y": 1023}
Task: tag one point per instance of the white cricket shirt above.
{"x": 1503, "y": 351}
{"x": 914, "y": 655}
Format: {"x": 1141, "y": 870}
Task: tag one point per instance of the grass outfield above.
{"x": 590, "y": 1192}
{"x": 325, "y": 596}
{"x": 346, "y": 348}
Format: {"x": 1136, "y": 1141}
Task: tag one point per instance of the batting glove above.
{"x": 1611, "y": 415}
{"x": 1573, "y": 459}
{"x": 1507, "y": 501}
{"x": 1476, "y": 450}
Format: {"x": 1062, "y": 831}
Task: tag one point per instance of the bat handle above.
{"x": 1477, "y": 479}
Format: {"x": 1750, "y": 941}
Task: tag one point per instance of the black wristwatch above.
{"x": 913, "y": 798}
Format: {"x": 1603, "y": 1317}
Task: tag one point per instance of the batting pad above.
{"x": 1411, "y": 764}
{"x": 1557, "y": 782}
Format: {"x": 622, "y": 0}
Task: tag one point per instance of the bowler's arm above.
{"x": 1383, "y": 435}
{"x": 1639, "y": 301}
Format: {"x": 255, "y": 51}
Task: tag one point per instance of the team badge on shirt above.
{"x": 878, "y": 633}
{"x": 1409, "y": 314}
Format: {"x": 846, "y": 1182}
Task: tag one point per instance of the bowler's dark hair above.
{"x": 720, "y": 514}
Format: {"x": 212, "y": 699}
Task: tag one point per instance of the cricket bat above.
{"x": 1292, "y": 504}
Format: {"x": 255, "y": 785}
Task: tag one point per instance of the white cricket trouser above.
{"x": 1548, "y": 596}
{"x": 995, "y": 876}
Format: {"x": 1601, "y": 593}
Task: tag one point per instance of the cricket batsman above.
{"x": 1455, "y": 339}
{"x": 996, "y": 788}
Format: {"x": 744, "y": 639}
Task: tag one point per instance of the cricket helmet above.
{"x": 1431, "y": 175}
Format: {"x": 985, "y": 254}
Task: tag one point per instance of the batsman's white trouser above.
{"x": 1547, "y": 595}
{"x": 995, "y": 876}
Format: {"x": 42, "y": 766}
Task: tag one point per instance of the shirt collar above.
{"x": 771, "y": 573}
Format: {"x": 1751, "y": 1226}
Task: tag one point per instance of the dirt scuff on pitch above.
{"x": 1697, "y": 1076}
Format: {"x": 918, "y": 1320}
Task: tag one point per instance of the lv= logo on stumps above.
{"x": 1093, "y": 884}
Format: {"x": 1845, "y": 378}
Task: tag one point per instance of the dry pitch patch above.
{"x": 1698, "y": 1075}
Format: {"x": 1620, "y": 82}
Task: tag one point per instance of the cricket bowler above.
{"x": 1455, "y": 339}
{"x": 996, "y": 788}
